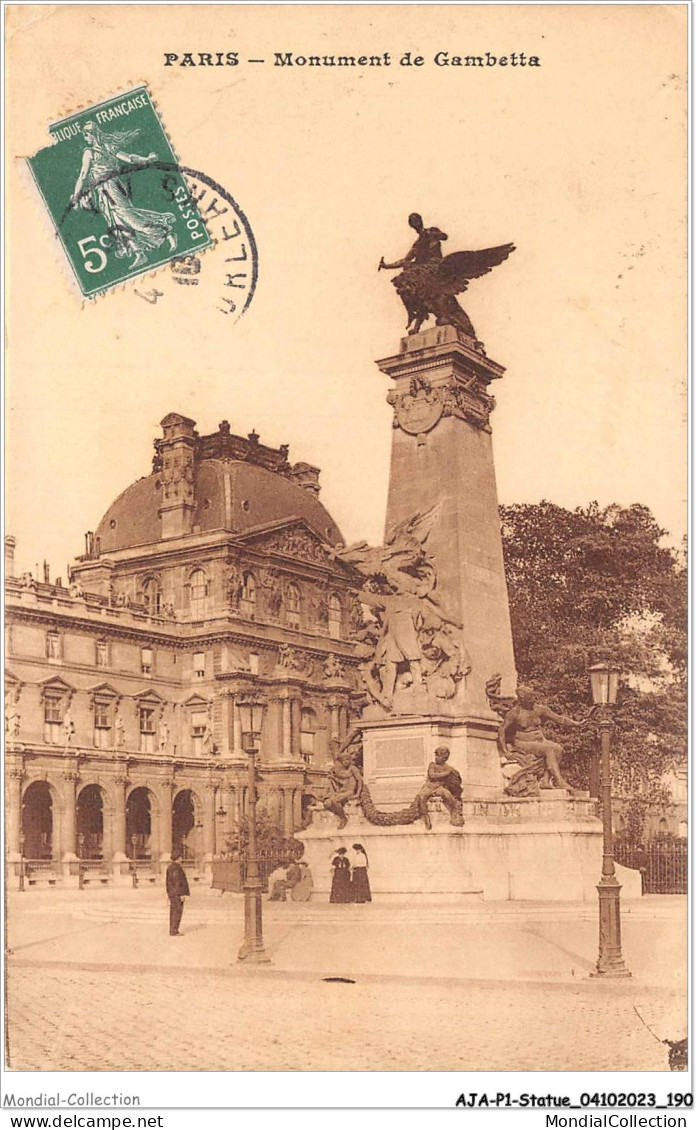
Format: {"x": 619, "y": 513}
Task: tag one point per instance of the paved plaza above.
{"x": 95, "y": 982}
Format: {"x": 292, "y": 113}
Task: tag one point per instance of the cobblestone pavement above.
{"x": 254, "y": 1020}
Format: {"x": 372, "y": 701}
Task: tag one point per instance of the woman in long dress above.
{"x": 101, "y": 187}
{"x": 340, "y": 885}
{"x": 360, "y": 884}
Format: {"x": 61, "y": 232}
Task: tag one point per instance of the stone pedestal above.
{"x": 406, "y": 864}
{"x": 442, "y": 454}
{"x": 396, "y": 753}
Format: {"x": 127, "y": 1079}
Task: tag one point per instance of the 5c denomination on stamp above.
{"x": 102, "y": 183}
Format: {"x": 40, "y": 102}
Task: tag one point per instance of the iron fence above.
{"x": 665, "y": 864}
{"x": 229, "y": 873}
{"x": 40, "y": 866}
{"x": 269, "y": 859}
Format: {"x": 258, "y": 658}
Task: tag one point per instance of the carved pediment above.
{"x": 197, "y": 701}
{"x": 56, "y": 686}
{"x": 105, "y": 690}
{"x": 296, "y": 542}
{"x": 145, "y": 697}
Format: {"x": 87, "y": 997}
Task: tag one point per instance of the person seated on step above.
{"x": 287, "y": 882}
{"x": 302, "y": 892}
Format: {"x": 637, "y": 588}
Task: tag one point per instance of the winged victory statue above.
{"x": 428, "y": 282}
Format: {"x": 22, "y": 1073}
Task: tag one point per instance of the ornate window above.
{"x": 54, "y": 714}
{"x": 292, "y": 606}
{"x": 335, "y": 616}
{"x": 198, "y": 592}
{"x": 152, "y": 596}
{"x": 247, "y": 605}
{"x": 146, "y": 660}
{"x": 102, "y": 653}
{"x": 103, "y": 723}
{"x": 199, "y": 665}
{"x": 148, "y": 728}
{"x": 53, "y": 645}
{"x": 199, "y": 731}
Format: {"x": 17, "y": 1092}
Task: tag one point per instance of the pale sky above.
{"x": 580, "y": 162}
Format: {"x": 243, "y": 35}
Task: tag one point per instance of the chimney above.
{"x": 10, "y": 543}
{"x": 177, "y": 450}
{"x": 307, "y": 476}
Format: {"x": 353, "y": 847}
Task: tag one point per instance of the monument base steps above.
{"x": 507, "y": 850}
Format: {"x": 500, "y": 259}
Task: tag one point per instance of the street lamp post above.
{"x": 252, "y": 950}
{"x": 610, "y": 963}
{"x": 134, "y": 857}
{"x": 22, "y": 865}
{"x": 80, "y": 864}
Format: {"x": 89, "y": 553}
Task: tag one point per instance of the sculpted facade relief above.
{"x": 297, "y": 544}
{"x": 272, "y": 593}
{"x": 422, "y": 407}
{"x": 334, "y": 668}
{"x": 294, "y": 661}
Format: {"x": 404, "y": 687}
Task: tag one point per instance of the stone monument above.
{"x": 437, "y": 643}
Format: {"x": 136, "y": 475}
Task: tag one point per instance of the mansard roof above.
{"x": 238, "y": 484}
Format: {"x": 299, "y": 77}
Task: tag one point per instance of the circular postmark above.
{"x": 223, "y": 273}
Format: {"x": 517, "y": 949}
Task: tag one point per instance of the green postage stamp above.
{"x": 116, "y": 194}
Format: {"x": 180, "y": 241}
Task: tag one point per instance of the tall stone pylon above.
{"x": 442, "y": 454}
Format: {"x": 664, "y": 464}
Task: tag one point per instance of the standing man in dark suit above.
{"x": 177, "y": 888}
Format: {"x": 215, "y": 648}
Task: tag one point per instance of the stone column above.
{"x": 165, "y": 828}
{"x": 118, "y": 824}
{"x": 297, "y": 808}
{"x": 209, "y": 819}
{"x": 68, "y": 816}
{"x": 344, "y": 721}
{"x": 288, "y": 827}
{"x": 10, "y": 544}
{"x": 295, "y": 724}
{"x": 335, "y": 723}
{"x": 236, "y": 730}
{"x": 232, "y": 809}
{"x": 14, "y": 812}
{"x": 286, "y": 743}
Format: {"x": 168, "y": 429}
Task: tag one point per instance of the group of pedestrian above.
{"x": 350, "y": 882}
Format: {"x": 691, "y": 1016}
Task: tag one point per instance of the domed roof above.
{"x": 228, "y": 495}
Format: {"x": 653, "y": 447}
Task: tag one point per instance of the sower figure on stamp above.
{"x": 177, "y": 889}
{"x": 102, "y": 187}
{"x": 521, "y": 733}
{"x": 445, "y": 782}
